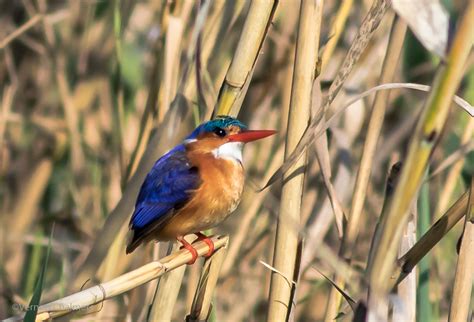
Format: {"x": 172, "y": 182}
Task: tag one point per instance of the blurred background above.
{"x": 85, "y": 84}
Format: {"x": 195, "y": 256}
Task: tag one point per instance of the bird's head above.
{"x": 224, "y": 137}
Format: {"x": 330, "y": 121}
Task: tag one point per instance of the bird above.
{"x": 193, "y": 187}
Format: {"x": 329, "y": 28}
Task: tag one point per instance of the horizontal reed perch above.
{"x": 85, "y": 299}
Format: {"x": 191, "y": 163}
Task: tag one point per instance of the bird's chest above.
{"x": 223, "y": 182}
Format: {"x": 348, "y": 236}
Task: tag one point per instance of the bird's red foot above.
{"x": 189, "y": 247}
{"x": 208, "y": 241}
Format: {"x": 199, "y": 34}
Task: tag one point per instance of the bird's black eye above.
{"x": 220, "y": 132}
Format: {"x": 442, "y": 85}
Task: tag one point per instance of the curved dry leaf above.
{"x": 309, "y": 135}
{"x": 428, "y": 20}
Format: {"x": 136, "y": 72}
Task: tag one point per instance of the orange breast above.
{"x": 216, "y": 198}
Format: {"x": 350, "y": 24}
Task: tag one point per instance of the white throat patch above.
{"x": 231, "y": 151}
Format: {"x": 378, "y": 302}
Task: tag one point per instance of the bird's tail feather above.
{"x": 134, "y": 240}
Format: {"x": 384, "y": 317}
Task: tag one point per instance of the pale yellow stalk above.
{"x": 462, "y": 290}
{"x": 287, "y": 237}
{"x": 85, "y": 299}
{"x": 240, "y": 72}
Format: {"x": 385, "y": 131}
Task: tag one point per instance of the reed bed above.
{"x": 360, "y": 209}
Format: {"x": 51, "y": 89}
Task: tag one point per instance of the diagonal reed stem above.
{"x": 426, "y": 136}
{"x": 83, "y": 300}
{"x": 240, "y": 72}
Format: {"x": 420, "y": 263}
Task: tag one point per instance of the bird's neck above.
{"x": 231, "y": 151}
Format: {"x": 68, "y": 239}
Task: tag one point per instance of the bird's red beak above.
{"x": 250, "y": 135}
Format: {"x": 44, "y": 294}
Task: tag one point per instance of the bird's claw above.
{"x": 193, "y": 251}
{"x": 190, "y": 248}
{"x": 208, "y": 241}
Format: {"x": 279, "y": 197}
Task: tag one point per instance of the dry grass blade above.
{"x": 462, "y": 290}
{"x": 424, "y": 139}
{"x": 241, "y": 69}
{"x": 287, "y": 238}
{"x": 428, "y": 20}
{"x": 425, "y": 88}
{"x": 322, "y": 154}
{"x": 462, "y": 103}
{"x": 346, "y": 296}
{"x": 96, "y": 294}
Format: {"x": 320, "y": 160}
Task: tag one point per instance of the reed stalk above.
{"x": 364, "y": 34}
{"x": 84, "y": 300}
{"x": 166, "y": 294}
{"x": 240, "y": 72}
{"x": 422, "y": 143}
{"x": 462, "y": 290}
{"x": 407, "y": 262}
{"x": 287, "y": 240}
{"x": 201, "y": 307}
{"x": 389, "y": 67}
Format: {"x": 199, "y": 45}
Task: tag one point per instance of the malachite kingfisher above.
{"x": 193, "y": 187}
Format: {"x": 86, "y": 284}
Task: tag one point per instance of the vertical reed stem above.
{"x": 287, "y": 237}
{"x": 462, "y": 291}
{"x": 394, "y": 49}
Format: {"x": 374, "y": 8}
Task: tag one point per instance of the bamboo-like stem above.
{"x": 207, "y": 283}
{"x": 287, "y": 237}
{"x": 241, "y": 68}
{"x": 462, "y": 290}
{"x": 424, "y": 139}
{"x": 98, "y": 293}
{"x": 394, "y": 49}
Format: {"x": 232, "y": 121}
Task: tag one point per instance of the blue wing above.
{"x": 167, "y": 187}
